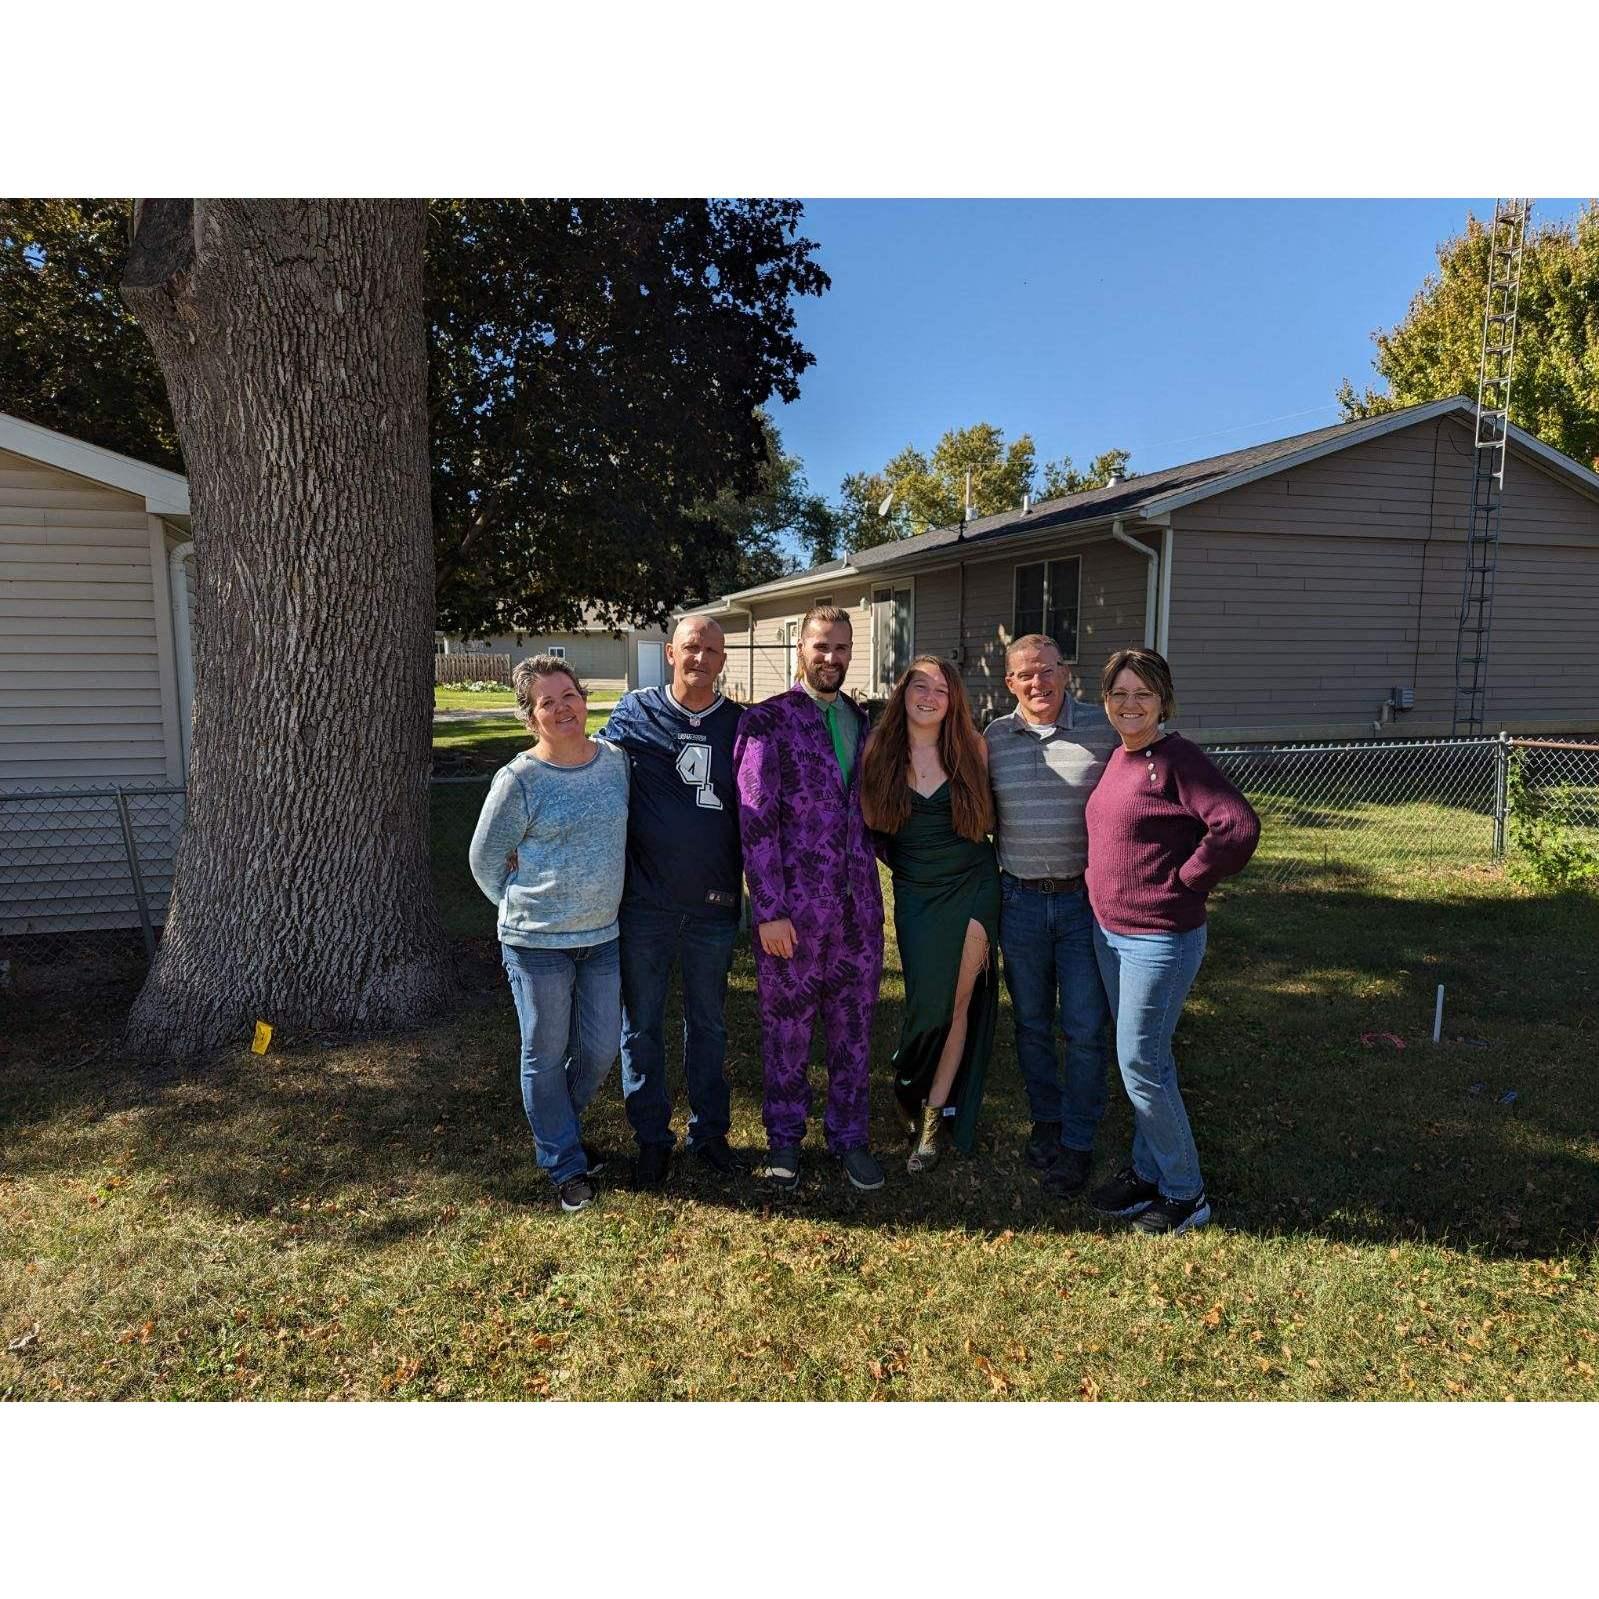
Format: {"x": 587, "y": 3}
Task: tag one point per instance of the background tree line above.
{"x": 598, "y": 380}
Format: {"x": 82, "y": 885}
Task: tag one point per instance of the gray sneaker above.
{"x": 862, "y": 1169}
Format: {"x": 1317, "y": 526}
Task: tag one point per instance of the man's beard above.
{"x": 824, "y": 677}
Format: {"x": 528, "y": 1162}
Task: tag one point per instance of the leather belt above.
{"x": 1048, "y": 885}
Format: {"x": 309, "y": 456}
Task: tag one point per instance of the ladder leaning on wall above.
{"x": 1475, "y": 627}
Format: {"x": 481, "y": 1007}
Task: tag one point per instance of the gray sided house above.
{"x": 1294, "y": 586}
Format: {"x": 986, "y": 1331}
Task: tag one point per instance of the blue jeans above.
{"x": 568, "y": 1002}
{"x": 1050, "y": 970}
{"x": 1147, "y": 976}
{"x": 653, "y": 940}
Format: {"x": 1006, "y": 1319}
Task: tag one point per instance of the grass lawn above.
{"x": 484, "y": 744}
{"x": 365, "y": 1220}
{"x": 495, "y": 699}
{"x": 446, "y": 698}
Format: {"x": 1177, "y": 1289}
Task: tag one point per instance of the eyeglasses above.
{"x": 1141, "y": 698}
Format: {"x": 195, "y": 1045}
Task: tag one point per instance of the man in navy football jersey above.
{"x": 681, "y": 900}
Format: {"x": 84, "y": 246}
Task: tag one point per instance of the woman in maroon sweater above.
{"x": 1164, "y": 827}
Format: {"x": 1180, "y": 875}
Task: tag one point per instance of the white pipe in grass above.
{"x": 1438, "y": 1015}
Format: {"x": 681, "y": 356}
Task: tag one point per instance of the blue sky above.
{"x": 1097, "y": 323}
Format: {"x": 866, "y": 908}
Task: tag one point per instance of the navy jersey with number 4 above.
{"x": 683, "y": 849}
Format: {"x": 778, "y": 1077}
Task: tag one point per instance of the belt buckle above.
{"x": 1046, "y": 885}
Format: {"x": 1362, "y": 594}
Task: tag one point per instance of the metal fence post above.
{"x": 1501, "y": 791}
{"x": 131, "y": 846}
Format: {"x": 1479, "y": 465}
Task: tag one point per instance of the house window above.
{"x": 558, "y": 651}
{"x": 891, "y": 636}
{"x": 1047, "y": 595}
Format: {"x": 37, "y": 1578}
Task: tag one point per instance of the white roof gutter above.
{"x": 164, "y": 493}
{"x": 786, "y": 585}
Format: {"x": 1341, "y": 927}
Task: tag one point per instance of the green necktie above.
{"x": 842, "y": 747}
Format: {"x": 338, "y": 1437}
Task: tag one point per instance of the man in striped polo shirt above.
{"x": 1044, "y": 759}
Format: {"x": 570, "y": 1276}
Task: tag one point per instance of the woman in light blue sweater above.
{"x": 549, "y": 852}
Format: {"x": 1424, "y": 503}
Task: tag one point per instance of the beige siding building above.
{"x": 608, "y": 663}
{"x": 1300, "y": 589}
{"x": 95, "y": 676}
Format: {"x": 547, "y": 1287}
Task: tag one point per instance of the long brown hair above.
{"x": 885, "y": 768}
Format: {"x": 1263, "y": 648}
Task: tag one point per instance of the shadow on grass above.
{"x": 1302, "y": 1128}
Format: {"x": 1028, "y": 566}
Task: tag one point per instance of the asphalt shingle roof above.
{"x": 1119, "y": 499}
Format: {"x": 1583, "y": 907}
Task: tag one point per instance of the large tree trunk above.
{"x": 291, "y": 337}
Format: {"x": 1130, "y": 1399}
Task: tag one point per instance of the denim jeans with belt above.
{"x": 1147, "y": 976}
{"x": 568, "y": 1002}
{"x": 653, "y": 941}
{"x": 1050, "y": 970}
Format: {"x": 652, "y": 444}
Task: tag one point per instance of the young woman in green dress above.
{"x": 924, "y": 791}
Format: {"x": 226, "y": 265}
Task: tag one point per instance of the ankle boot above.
{"x": 929, "y": 1141}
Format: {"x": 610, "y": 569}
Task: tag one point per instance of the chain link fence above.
{"x": 85, "y": 875}
{"x": 84, "y": 881}
{"x": 1387, "y": 806}
{"x": 1552, "y": 804}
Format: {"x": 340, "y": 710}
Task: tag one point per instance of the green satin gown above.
{"x": 941, "y": 882}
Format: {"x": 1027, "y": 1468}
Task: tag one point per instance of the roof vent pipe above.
{"x": 1116, "y": 476}
{"x": 1027, "y": 504}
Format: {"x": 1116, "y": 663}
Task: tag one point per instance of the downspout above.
{"x": 1163, "y": 623}
{"x": 182, "y": 643}
{"x": 1151, "y": 579}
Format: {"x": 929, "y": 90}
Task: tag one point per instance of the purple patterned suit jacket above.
{"x": 807, "y": 851}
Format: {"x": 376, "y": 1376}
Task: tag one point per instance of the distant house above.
{"x": 609, "y": 663}
{"x": 95, "y": 677}
{"x": 1299, "y": 588}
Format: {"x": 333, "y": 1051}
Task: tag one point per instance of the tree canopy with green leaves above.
{"x": 916, "y": 491}
{"x": 1436, "y": 350}
{"x": 596, "y": 370}
{"x": 761, "y": 529}
{"x": 72, "y": 356}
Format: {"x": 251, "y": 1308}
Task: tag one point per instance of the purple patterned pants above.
{"x": 835, "y": 971}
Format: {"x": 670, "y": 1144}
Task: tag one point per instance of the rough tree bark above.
{"x": 291, "y": 337}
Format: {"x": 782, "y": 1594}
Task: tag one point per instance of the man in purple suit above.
{"x": 815, "y": 900}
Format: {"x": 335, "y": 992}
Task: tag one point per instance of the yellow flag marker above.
{"x": 263, "y": 1038}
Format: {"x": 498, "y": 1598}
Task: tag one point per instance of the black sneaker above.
{"x": 1069, "y": 1175}
{"x": 1173, "y": 1215}
{"x": 1126, "y": 1194}
{"x": 595, "y": 1159}
{"x": 1043, "y": 1145}
{"x": 862, "y": 1169}
{"x": 715, "y": 1153}
{"x": 781, "y": 1170}
{"x": 576, "y": 1193}
{"x": 651, "y": 1166}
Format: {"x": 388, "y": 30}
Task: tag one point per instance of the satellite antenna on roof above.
{"x": 971, "y": 510}
{"x": 888, "y": 500}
